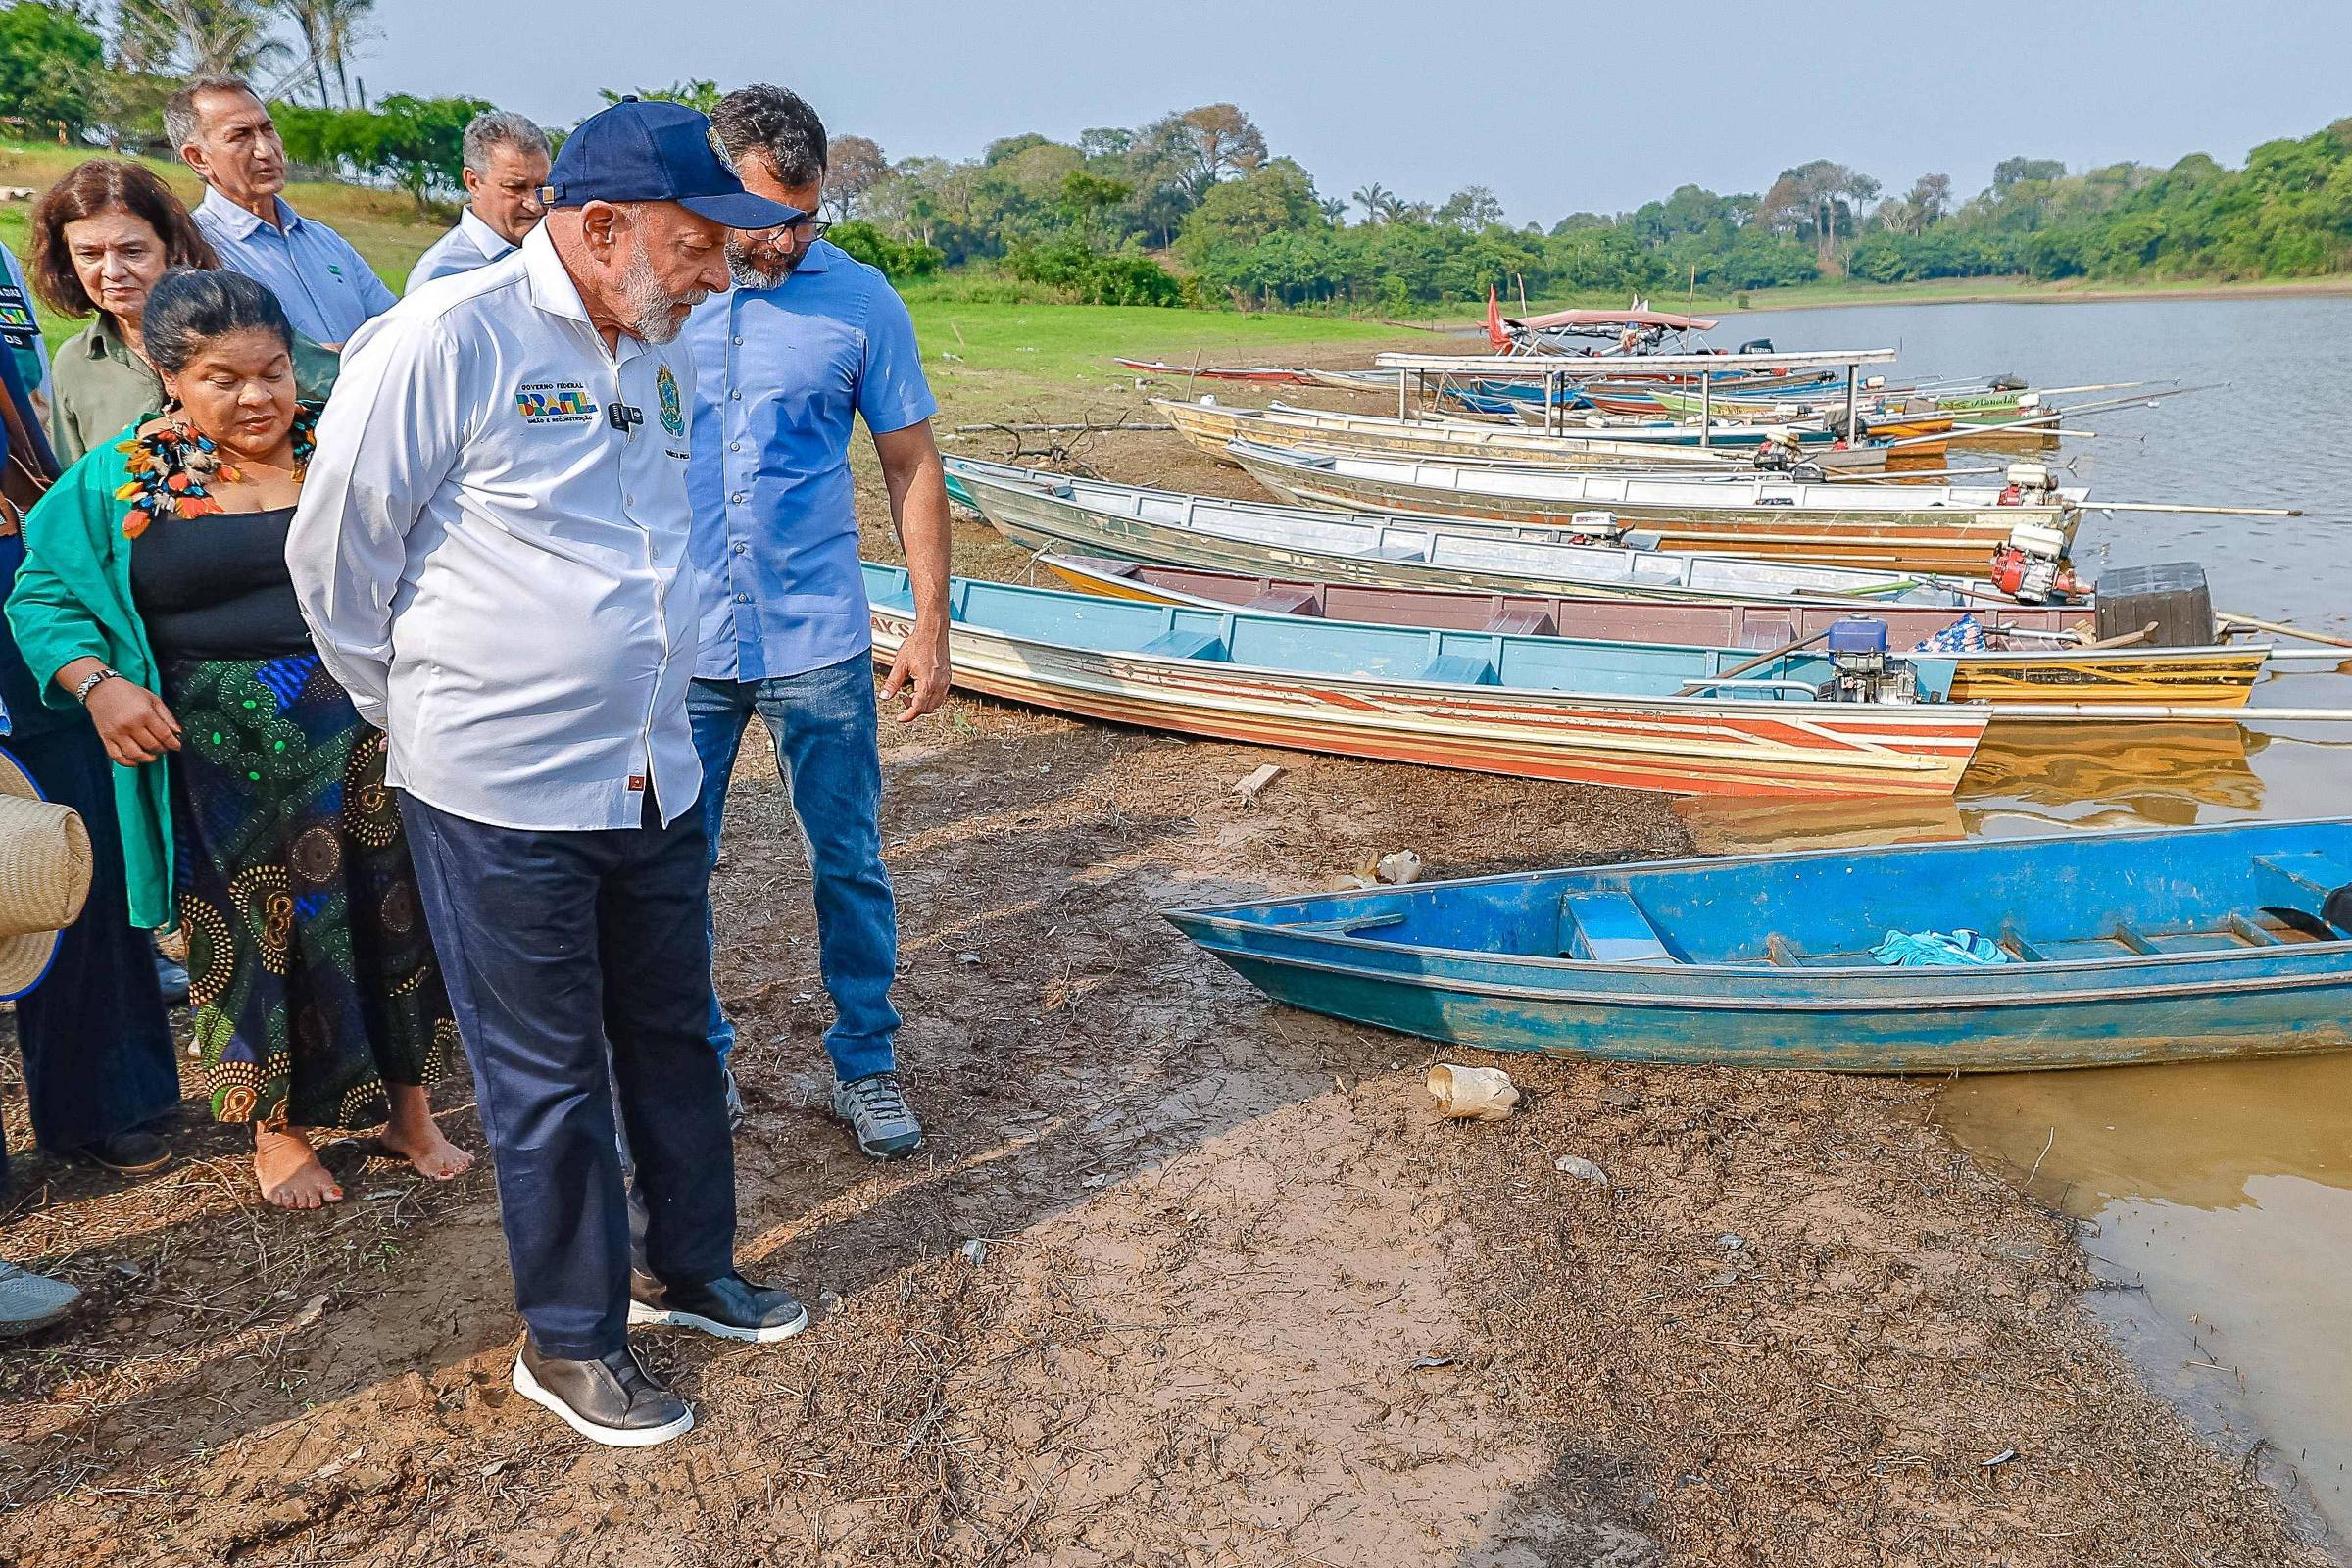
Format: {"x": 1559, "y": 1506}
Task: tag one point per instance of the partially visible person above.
{"x": 155, "y": 593}
{"x": 221, "y": 129}
{"x": 506, "y": 164}
{"x": 490, "y": 554}
{"x": 20, "y": 333}
{"x": 101, "y": 237}
{"x": 810, "y": 341}
{"x": 99, "y": 1065}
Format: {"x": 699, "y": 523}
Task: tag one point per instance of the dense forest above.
{"x": 1196, "y": 208}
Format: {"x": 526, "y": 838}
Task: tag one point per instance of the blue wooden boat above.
{"x": 2157, "y": 945}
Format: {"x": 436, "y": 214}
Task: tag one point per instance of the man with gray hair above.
{"x": 220, "y": 127}
{"x": 505, "y": 163}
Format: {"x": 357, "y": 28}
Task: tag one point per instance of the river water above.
{"x": 2224, "y": 1192}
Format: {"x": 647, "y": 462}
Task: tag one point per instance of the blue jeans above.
{"x": 828, "y": 750}
{"x": 580, "y": 969}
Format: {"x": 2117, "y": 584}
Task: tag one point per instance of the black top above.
{"x": 216, "y": 587}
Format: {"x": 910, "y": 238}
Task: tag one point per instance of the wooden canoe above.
{"x": 1930, "y": 528}
{"x": 2155, "y": 944}
{"x": 1592, "y": 713}
{"x": 1041, "y": 512}
{"x": 2032, "y": 655}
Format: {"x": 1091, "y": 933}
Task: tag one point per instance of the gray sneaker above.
{"x": 876, "y": 1111}
{"x": 735, "y": 1109}
{"x": 29, "y": 1300}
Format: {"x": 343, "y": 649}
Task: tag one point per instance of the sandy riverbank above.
{"x": 1243, "y": 1299}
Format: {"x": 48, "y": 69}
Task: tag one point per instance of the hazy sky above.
{"x": 1556, "y": 107}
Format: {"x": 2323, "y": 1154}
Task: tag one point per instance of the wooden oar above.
{"x": 1737, "y": 670}
{"x": 2232, "y": 618}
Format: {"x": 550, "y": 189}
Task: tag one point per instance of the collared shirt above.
{"x": 784, "y": 372}
{"x": 102, "y": 387}
{"x": 327, "y": 290}
{"x": 472, "y": 244}
{"x": 490, "y": 567}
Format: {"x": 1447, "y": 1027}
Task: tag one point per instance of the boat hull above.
{"x": 2148, "y": 945}
{"x": 1732, "y": 1022}
{"x": 2208, "y": 677}
{"x": 1949, "y": 541}
{"x": 1682, "y": 747}
{"x": 1210, "y": 427}
{"x": 1476, "y": 556}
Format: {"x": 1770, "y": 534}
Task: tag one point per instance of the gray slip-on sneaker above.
{"x": 29, "y": 1300}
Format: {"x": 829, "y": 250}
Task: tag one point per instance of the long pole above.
{"x": 2183, "y": 506}
{"x": 2154, "y": 714}
{"x": 1761, "y": 659}
{"x": 1706, "y": 410}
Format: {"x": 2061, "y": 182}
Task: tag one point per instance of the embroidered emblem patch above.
{"x": 554, "y": 402}
{"x": 17, "y": 329}
{"x": 665, "y": 387}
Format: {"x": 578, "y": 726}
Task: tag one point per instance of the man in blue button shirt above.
{"x": 219, "y": 127}
{"x": 809, "y": 340}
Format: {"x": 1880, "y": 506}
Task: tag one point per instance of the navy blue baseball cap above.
{"x": 654, "y": 151}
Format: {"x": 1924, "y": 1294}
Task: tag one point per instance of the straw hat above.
{"x": 44, "y": 877}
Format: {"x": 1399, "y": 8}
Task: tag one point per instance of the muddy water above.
{"x": 2221, "y": 1194}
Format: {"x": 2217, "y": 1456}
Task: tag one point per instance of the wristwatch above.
{"x": 92, "y": 681}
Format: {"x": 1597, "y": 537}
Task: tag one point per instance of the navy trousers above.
{"x": 580, "y": 969}
{"x": 96, "y": 1041}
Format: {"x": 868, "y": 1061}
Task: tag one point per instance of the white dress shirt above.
{"x": 489, "y": 566}
{"x": 472, "y": 244}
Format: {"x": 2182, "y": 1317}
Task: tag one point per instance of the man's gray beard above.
{"x": 652, "y": 310}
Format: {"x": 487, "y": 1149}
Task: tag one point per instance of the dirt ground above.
{"x": 1181, "y": 1278}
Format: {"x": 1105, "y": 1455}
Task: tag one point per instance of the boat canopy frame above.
{"x": 1413, "y": 372}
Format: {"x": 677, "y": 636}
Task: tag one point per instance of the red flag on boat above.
{"x": 1495, "y": 332}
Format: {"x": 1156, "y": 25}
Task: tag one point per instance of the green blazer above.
{"x": 73, "y": 601}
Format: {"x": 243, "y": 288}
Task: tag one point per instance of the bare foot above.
{"x": 414, "y": 1134}
{"x": 290, "y": 1171}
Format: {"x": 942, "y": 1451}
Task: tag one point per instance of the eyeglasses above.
{"x": 807, "y": 231}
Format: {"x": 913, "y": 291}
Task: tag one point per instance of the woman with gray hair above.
{"x": 505, "y": 163}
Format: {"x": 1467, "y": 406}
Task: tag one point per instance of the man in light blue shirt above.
{"x": 810, "y": 341}
{"x": 224, "y": 133}
{"x": 506, "y": 161}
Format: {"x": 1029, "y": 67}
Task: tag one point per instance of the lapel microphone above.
{"x": 621, "y": 416}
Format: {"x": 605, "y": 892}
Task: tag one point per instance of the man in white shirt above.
{"x": 488, "y": 553}
{"x": 222, "y": 130}
{"x": 505, "y": 163}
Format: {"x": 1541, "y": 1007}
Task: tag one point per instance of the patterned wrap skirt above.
{"x": 309, "y": 970}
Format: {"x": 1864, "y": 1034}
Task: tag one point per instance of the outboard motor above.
{"x": 1861, "y": 671}
{"x": 2031, "y": 566}
{"x": 1757, "y": 345}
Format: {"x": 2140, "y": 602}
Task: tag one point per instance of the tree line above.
{"x": 1196, "y": 208}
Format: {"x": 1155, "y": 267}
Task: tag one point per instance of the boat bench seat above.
{"x": 2307, "y": 870}
{"x": 1609, "y": 928}
{"x": 1184, "y": 643}
{"x": 1286, "y": 602}
{"x": 1460, "y": 670}
{"x": 1520, "y": 623}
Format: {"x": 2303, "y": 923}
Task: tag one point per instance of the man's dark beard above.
{"x": 748, "y": 276}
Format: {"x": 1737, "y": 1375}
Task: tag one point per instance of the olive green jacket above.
{"x": 73, "y": 601}
{"x": 100, "y": 385}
